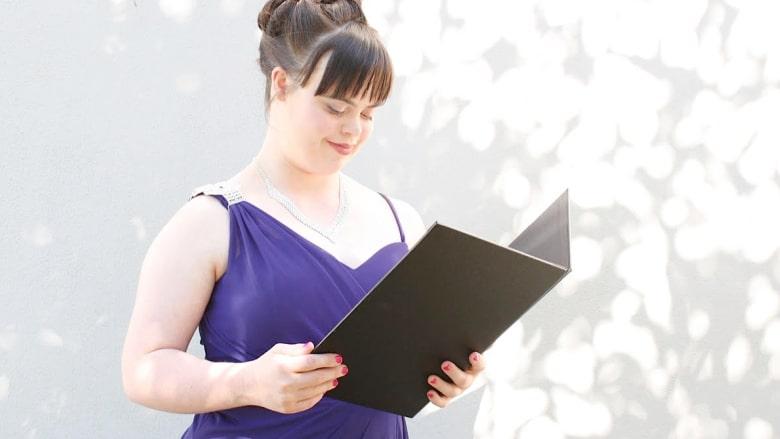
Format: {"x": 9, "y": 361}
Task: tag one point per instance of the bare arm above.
{"x": 176, "y": 280}
{"x": 175, "y": 283}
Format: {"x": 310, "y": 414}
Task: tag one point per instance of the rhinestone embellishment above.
{"x": 329, "y": 232}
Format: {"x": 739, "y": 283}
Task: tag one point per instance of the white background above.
{"x": 661, "y": 117}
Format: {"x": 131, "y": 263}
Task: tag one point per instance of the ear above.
{"x": 279, "y": 83}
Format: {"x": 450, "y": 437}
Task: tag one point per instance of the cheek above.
{"x": 321, "y": 125}
{"x": 367, "y": 130}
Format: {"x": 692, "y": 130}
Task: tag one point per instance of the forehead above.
{"x": 360, "y": 99}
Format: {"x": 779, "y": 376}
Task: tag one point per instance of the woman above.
{"x": 252, "y": 265}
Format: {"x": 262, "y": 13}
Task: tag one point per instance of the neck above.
{"x": 302, "y": 186}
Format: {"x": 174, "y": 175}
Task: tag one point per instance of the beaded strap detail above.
{"x": 231, "y": 192}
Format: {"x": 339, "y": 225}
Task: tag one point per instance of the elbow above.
{"x": 131, "y": 394}
{"x": 130, "y": 384}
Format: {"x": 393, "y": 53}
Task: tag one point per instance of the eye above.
{"x": 367, "y": 116}
{"x": 334, "y": 110}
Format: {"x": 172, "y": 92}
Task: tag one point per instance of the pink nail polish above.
{"x": 446, "y": 367}
{"x": 430, "y": 395}
{"x": 335, "y": 383}
{"x": 344, "y": 370}
{"x": 339, "y": 359}
{"x": 475, "y": 357}
{"x": 433, "y": 380}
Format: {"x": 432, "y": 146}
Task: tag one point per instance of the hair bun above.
{"x": 328, "y": 2}
{"x": 274, "y": 26}
{"x": 270, "y": 7}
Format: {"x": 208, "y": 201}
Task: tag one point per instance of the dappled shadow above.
{"x": 660, "y": 117}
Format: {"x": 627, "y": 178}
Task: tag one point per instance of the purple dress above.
{"x": 281, "y": 288}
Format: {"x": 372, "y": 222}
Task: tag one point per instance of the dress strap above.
{"x": 395, "y": 214}
{"x": 227, "y": 193}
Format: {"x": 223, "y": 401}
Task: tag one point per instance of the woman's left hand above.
{"x": 444, "y": 391}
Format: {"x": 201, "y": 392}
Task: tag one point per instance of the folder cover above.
{"x": 452, "y": 294}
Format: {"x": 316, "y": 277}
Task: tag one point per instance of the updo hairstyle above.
{"x": 298, "y": 33}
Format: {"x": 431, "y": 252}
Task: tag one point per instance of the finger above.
{"x": 317, "y": 377}
{"x": 317, "y": 390}
{"x": 446, "y": 389}
{"x": 309, "y": 362}
{"x": 477, "y": 363}
{"x": 437, "y": 399}
{"x": 292, "y": 349}
{"x": 459, "y": 377}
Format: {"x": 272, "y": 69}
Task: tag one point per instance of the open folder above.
{"x": 452, "y": 294}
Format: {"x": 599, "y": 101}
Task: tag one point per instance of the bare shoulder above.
{"x": 202, "y": 225}
{"x": 410, "y": 218}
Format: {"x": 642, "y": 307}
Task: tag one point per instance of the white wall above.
{"x": 661, "y": 118}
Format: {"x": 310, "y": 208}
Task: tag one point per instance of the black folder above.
{"x": 452, "y": 294}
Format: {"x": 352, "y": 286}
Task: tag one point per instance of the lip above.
{"x": 341, "y": 148}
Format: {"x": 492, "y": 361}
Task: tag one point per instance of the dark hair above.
{"x": 298, "y": 33}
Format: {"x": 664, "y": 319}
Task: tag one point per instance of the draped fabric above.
{"x": 281, "y": 288}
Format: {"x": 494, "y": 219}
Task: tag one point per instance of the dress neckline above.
{"x": 318, "y": 248}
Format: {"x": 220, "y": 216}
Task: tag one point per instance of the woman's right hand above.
{"x": 288, "y": 378}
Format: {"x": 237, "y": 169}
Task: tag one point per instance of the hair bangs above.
{"x": 359, "y": 65}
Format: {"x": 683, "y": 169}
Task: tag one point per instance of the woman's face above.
{"x": 323, "y": 132}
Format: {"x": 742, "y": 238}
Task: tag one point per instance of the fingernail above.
{"x": 344, "y": 370}
{"x": 475, "y": 357}
{"x": 430, "y": 395}
{"x": 339, "y": 359}
{"x": 446, "y": 367}
{"x": 335, "y": 383}
{"x": 433, "y": 380}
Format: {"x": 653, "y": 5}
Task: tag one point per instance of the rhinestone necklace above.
{"x": 287, "y": 203}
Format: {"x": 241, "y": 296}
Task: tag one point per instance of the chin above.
{"x": 339, "y": 165}
{"x": 329, "y": 166}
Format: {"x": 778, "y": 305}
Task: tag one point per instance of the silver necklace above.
{"x": 329, "y": 232}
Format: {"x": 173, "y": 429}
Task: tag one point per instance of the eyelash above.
{"x": 339, "y": 113}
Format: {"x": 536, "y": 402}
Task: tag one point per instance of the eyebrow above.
{"x": 350, "y": 102}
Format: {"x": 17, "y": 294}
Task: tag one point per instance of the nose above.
{"x": 352, "y": 127}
